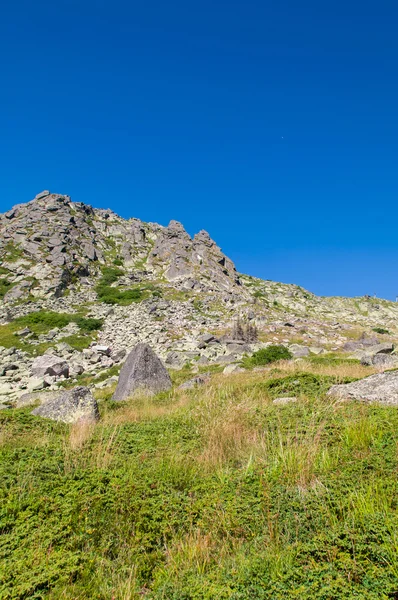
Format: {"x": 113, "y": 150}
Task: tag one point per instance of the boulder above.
{"x": 379, "y": 360}
{"x": 283, "y": 401}
{"x": 49, "y": 364}
{"x": 225, "y": 359}
{"x": 142, "y": 370}
{"x": 299, "y": 351}
{"x": 194, "y": 382}
{"x": 106, "y": 350}
{"x": 380, "y": 354}
{"x": 385, "y": 348}
{"x": 28, "y": 399}
{"x": 118, "y": 355}
{"x": 70, "y": 406}
{"x": 381, "y": 388}
{"x": 316, "y": 350}
{"x": 233, "y": 369}
{"x": 36, "y": 383}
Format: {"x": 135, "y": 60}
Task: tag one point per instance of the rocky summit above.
{"x": 81, "y": 286}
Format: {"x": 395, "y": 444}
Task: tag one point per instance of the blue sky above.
{"x": 273, "y": 125}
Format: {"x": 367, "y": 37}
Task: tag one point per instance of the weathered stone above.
{"x": 31, "y": 398}
{"x": 379, "y": 360}
{"x": 233, "y": 369}
{"x": 381, "y": 388}
{"x": 50, "y": 365}
{"x": 118, "y": 356}
{"x": 225, "y": 359}
{"x": 316, "y": 350}
{"x": 206, "y": 338}
{"x": 299, "y": 351}
{"x": 70, "y": 406}
{"x": 37, "y": 383}
{"x": 283, "y": 401}
{"x": 194, "y": 382}
{"x": 23, "y": 332}
{"x": 385, "y": 348}
{"x": 143, "y": 371}
{"x": 106, "y": 350}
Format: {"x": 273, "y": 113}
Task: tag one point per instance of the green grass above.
{"x": 12, "y": 253}
{"x": 123, "y": 297}
{"x": 215, "y": 494}
{"x": 5, "y": 286}
{"x": 41, "y": 322}
{"x": 331, "y": 359}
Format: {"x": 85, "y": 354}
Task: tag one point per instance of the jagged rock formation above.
{"x": 51, "y": 242}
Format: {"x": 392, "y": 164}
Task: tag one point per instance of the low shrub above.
{"x": 113, "y": 295}
{"x": 5, "y": 286}
{"x": 42, "y": 321}
{"x": 380, "y": 330}
{"x": 110, "y": 275}
{"x": 88, "y": 324}
{"x": 266, "y": 356}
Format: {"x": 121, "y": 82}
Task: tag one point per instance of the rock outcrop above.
{"x": 51, "y": 242}
{"x": 381, "y": 388}
{"x": 143, "y": 371}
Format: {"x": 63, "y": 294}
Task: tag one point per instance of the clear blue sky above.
{"x": 273, "y": 125}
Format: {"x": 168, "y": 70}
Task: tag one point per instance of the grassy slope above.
{"x": 210, "y": 494}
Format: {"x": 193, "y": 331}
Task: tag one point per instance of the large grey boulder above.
{"x": 385, "y": 348}
{"x": 70, "y": 406}
{"x": 299, "y": 351}
{"x": 382, "y": 388}
{"x": 40, "y": 397}
{"x": 379, "y": 360}
{"x": 142, "y": 370}
{"x": 379, "y": 355}
{"x": 50, "y": 365}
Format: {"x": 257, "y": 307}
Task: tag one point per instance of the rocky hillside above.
{"x": 86, "y": 285}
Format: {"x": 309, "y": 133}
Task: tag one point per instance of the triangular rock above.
{"x": 143, "y": 370}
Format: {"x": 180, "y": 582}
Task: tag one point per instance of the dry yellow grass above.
{"x": 143, "y": 408}
{"x": 80, "y": 433}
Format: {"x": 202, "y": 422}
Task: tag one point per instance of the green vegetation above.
{"x": 266, "y": 356}
{"x": 12, "y": 253}
{"x": 41, "y": 322}
{"x": 114, "y": 295}
{"x": 110, "y": 275}
{"x": 5, "y": 286}
{"x": 381, "y": 330}
{"x": 332, "y": 359}
{"x": 207, "y": 495}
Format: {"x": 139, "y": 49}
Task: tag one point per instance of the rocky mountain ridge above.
{"x": 74, "y": 279}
